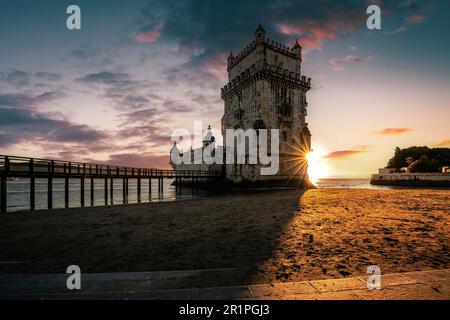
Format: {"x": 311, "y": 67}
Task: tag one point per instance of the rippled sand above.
{"x": 269, "y": 236}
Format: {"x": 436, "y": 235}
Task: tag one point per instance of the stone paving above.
{"x": 433, "y": 284}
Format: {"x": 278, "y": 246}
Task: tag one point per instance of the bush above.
{"x": 424, "y": 165}
{"x": 420, "y": 159}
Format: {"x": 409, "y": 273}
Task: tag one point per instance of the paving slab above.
{"x": 221, "y": 293}
{"x": 432, "y": 284}
{"x": 343, "y": 284}
{"x": 281, "y": 289}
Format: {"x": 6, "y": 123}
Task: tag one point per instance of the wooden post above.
{"x": 82, "y": 191}
{"x": 111, "y": 186}
{"x": 32, "y": 186}
{"x": 92, "y": 192}
{"x": 3, "y": 191}
{"x": 106, "y": 191}
{"x": 66, "y": 192}
{"x": 139, "y": 189}
{"x": 66, "y": 185}
{"x": 150, "y": 190}
{"x": 51, "y": 170}
{"x": 124, "y": 190}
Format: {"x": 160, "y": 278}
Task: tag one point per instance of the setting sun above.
{"x": 317, "y": 168}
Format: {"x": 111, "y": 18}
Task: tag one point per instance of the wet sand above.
{"x": 268, "y": 237}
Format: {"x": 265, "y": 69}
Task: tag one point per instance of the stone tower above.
{"x": 267, "y": 90}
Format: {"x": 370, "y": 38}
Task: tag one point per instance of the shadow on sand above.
{"x": 224, "y": 238}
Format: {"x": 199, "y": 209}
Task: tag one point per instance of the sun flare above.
{"x": 317, "y": 168}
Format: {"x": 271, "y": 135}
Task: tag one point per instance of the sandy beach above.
{"x": 267, "y": 237}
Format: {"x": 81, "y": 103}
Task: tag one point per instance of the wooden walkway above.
{"x": 32, "y": 168}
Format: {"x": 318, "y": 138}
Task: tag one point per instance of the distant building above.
{"x": 403, "y": 177}
{"x": 390, "y": 170}
{"x": 208, "y": 140}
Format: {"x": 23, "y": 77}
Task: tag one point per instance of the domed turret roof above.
{"x": 260, "y": 28}
{"x": 209, "y": 136}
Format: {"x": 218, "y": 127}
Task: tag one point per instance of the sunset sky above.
{"x": 114, "y": 90}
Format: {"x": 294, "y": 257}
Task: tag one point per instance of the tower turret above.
{"x": 230, "y": 59}
{"x": 297, "y": 50}
{"x": 260, "y": 34}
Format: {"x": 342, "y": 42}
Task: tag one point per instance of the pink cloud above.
{"x": 415, "y": 18}
{"x": 443, "y": 143}
{"x": 339, "y": 62}
{"x": 344, "y": 154}
{"x": 393, "y": 131}
{"x": 312, "y": 37}
{"x": 149, "y": 36}
{"x": 216, "y": 66}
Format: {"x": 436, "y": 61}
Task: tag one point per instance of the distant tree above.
{"x": 424, "y": 164}
{"x": 420, "y": 159}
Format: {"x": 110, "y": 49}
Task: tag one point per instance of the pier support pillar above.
{"x": 82, "y": 191}
{"x": 92, "y": 192}
{"x": 111, "y": 188}
{"x": 32, "y": 193}
{"x": 66, "y": 192}
{"x": 32, "y": 186}
{"x": 139, "y": 190}
{"x": 124, "y": 191}
{"x": 106, "y": 191}
{"x": 150, "y": 190}
{"x": 3, "y": 191}
{"x": 50, "y": 193}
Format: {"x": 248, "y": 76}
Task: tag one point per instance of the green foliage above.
{"x": 424, "y": 165}
{"x": 420, "y": 159}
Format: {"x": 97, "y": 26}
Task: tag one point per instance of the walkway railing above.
{"x": 32, "y": 168}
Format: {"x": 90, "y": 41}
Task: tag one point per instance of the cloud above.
{"x": 16, "y": 78}
{"x": 215, "y": 26}
{"x": 22, "y": 100}
{"x": 143, "y": 116}
{"x": 176, "y": 106}
{"x": 107, "y": 78}
{"x": 338, "y": 63}
{"x": 22, "y": 125}
{"x": 49, "y": 76}
{"x": 22, "y": 80}
{"x": 398, "y": 30}
{"x": 416, "y": 10}
{"x": 393, "y": 131}
{"x": 149, "y": 36}
{"x": 443, "y": 143}
{"x": 121, "y": 88}
{"x": 415, "y": 18}
{"x": 344, "y": 154}
{"x": 144, "y": 160}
